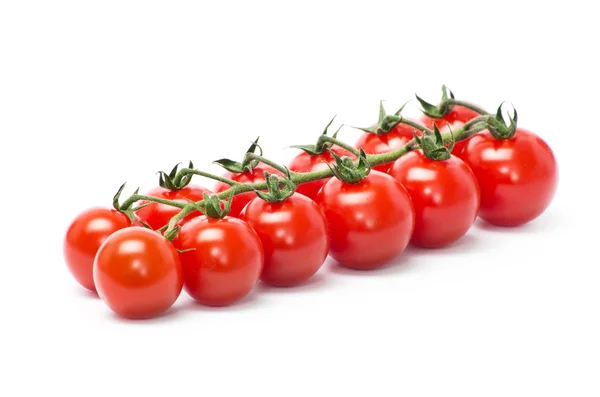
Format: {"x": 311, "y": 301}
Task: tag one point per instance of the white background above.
{"x": 96, "y": 93}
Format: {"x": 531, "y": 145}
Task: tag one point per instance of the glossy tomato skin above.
{"x": 257, "y": 175}
{"x": 518, "y": 177}
{"x": 457, "y": 117}
{"x": 226, "y": 260}
{"x": 305, "y": 162}
{"x": 445, "y": 196}
{"x": 138, "y": 273}
{"x": 376, "y": 143}
{"x": 157, "y": 215}
{"x": 293, "y": 235}
{"x": 369, "y": 222}
{"x": 84, "y": 237}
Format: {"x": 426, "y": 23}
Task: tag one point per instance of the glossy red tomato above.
{"x": 369, "y": 222}
{"x": 137, "y": 273}
{"x": 457, "y": 117}
{"x": 294, "y": 238}
{"x": 157, "y": 215}
{"x": 383, "y": 143}
{"x": 517, "y": 176}
{"x": 257, "y": 175}
{"x": 84, "y": 237}
{"x": 445, "y": 196}
{"x": 225, "y": 261}
{"x": 305, "y": 162}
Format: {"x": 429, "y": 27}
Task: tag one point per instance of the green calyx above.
{"x": 349, "y": 172}
{"x": 320, "y": 147}
{"x": 170, "y": 180}
{"x": 499, "y": 128}
{"x": 127, "y": 211}
{"x": 213, "y": 207}
{"x": 247, "y": 165}
{"x": 386, "y": 122}
{"x": 277, "y": 193}
{"x": 445, "y": 106}
{"x": 433, "y": 146}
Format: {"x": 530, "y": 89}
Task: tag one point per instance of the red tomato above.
{"x": 294, "y": 238}
{"x": 383, "y": 143}
{"x": 517, "y": 176}
{"x": 137, "y": 273}
{"x": 445, "y": 196}
{"x": 457, "y": 117}
{"x": 305, "y": 162}
{"x": 239, "y": 201}
{"x": 84, "y": 237}
{"x": 370, "y": 222}
{"x": 157, "y": 215}
{"x": 225, "y": 261}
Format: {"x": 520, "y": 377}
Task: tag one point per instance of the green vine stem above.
{"x": 467, "y": 105}
{"x": 460, "y": 134}
{"x": 416, "y": 126}
{"x": 253, "y": 156}
{"x": 137, "y": 197}
{"x": 187, "y": 171}
{"x": 337, "y": 142}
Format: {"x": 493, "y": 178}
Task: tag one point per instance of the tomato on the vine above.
{"x": 257, "y": 175}
{"x": 517, "y": 176}
{"x": 222, "y": 259}
{"x": 293, "y": 235}
{"x": 370, "y": 222}
{"x": 456, "y": 118}
{"x": 373, "y": 143}
{"x": 84, "y": 237}
{"x": 305, "y": 162}
{"x": 445, "y": 196}
{"x": 157, "y": 215}
{"x": 137, "y": 273}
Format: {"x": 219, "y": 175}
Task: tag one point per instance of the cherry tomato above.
{"x": 457, "y": 117}
{"x": 224, "y": 262}
{"x": 517, "y": 176}
{"x": 369, "y": 222}
{"x": 257, "y": 175}
{"x": 84, "y": 237}
{"x": 157, "y": 215}
{"x": 305, "y": 162}
{"x": 294, "y": 238}
{"x": 137, "y": 273}
{"x": 383, "y": 143}
{"x": 445, "y": 196}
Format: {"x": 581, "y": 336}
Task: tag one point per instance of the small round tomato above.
{"x": 137, "y": 273}
{"x": 373, "y": 143}
{"x": 370, "y": 222}
{"x": 456, "y": 118}
{"x": 305, "y": 162}
{"x": 157, "y": 215}
{"x": 294, "y": 238}
{"x": 517, "y": 176}
{"x": 224, "y": 262}
{"x": 84, "y": 237}
{"x": 257, "y": 175}
{"x": 445, "y": 196}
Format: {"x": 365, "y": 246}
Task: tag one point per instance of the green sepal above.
{"x": 211, "y": 206}
{"x": 246, "y": 165}
{"x": 433, "y": 147}
{"x": 499, "y": 128}
{"x": 167, "y": 181}
{"x": 117, "y": 206}
{"x": 320, "y": 147}
{"x": 436, "y": 112}
{"x": 275, "y": 193}
{"x": 347, "y": 171}
{"x": 386, "y": 122}
{"x": 171, "y": 235}
{"x": 117, "y": 196}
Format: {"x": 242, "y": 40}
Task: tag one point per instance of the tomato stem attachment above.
{"x": 338, "y": 143}
{"x": 184, "y": 172}
{"x": 275, "y": 193}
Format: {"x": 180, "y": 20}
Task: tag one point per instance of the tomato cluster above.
{"x": 139, "y": 259}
